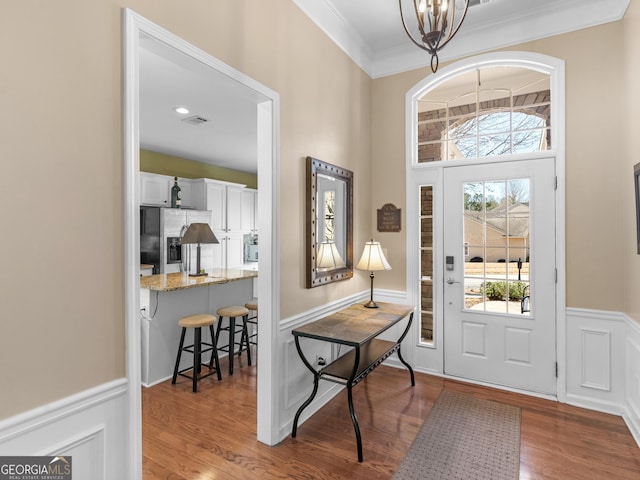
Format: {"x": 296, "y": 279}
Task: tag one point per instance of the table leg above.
{"x": 352, "y": 411}
{"x": 354, "y": 420}
{"x": 313, "y": 392}
{"x": 405, "y": 363}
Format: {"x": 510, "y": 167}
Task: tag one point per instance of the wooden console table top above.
{"x": 355, "y": 325}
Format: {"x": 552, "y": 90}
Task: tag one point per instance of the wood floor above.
{"x": 211, "y": 434}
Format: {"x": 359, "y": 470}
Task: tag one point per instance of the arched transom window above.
{"x": 485, "y": 113}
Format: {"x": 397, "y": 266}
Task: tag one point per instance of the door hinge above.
{"x": 556, "y": 275}
{"x": 555, "y": 183}
{"x": 556, "y": 369}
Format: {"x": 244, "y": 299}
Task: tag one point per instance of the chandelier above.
{"x": 437, "y": 22}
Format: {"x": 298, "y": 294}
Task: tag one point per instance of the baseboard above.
{"x": 633, "y": 424}
{"x": 90, "y": 426}
{"x": 599, "y": 405}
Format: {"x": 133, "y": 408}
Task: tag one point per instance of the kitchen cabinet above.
{"x": 229, "y": 253}
{"x": 155, "y": 189}
{"x": 234, "y": 208}
{"x": 223, "y": 199}
{"x": 249, "y": 211}
{"x": 186, "y": 189}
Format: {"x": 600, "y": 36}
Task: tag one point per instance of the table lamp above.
{"x": 198, "y": 233}
{"x": 328, "y": 256}
{"x": 372, "y": 259}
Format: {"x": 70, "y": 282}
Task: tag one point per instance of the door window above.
{"x": 496, "y": 232}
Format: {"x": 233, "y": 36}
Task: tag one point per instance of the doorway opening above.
{"x": 137, "y": 30}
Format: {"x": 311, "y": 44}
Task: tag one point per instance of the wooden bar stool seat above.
{"x": 197, "y": 322}
{"x": 232, "y": 313}
{"x": 252, "y": 306}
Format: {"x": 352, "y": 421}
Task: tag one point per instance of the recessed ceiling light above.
{"x": 182, "y": 110}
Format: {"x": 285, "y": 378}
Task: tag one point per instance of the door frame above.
{"x": 268, "y": 117}
{"x": 430, "y": 359}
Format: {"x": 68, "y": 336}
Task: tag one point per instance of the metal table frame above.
{"x": 357, "y": 327}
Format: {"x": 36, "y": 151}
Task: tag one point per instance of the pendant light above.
{"x": 436, "y": 21}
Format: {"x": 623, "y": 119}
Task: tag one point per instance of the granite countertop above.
{"x": 169, "y": 282}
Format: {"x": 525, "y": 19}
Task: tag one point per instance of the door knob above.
{"x": 451, "y": 281}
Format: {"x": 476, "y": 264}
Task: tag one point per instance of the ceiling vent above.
{"x": 195, "y": 120}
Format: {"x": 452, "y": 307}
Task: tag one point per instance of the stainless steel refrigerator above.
{"x": 161, "y": 231}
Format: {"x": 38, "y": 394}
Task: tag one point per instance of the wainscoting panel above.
{"x": 632, "y": 414}
{"x": 595, "y": 369}
{"x": 596, "y": 359}
{"x": 90, "y": 426}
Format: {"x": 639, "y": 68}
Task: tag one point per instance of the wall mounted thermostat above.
{"x": 449, "y": 262}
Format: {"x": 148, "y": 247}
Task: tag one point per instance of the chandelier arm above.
{"x": 407, "y": 30}
{"x": 464, "y": 14}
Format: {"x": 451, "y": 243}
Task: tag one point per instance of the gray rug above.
{"x": 465, "y": 438}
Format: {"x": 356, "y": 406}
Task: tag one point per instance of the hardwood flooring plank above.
{"x": 211, "y": 434}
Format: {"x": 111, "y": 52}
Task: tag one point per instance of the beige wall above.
{"x": 62, "y": 306}
{"x": 60, "y": 92}
{"x": 631, "y": 272}
{"x": 597, "y": 170}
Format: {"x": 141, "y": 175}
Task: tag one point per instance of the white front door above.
{"x": 500, "y": 274}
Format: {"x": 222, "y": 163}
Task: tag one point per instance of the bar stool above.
{"x": 232, "y": 313}
{"x": 252, "y": 306}
{"x": 196, "y": 322}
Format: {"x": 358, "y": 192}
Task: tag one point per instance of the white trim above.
{"x": 525, "y": 26}
{"x": 90, "y": 426}
{"x": 339, "y": 30}
{"x": 269, "y": 279}
{"x": 321, "y": 311}
{"x": 53, "y": 412}
{"x": 131, "y": 158}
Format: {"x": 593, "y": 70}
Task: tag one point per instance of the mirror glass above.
{"x": 329, "y": 223}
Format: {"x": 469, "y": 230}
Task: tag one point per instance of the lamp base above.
{"x": 198, "y": 274}
{"x": 371, "y": 304}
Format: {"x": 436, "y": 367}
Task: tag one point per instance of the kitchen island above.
{"x": 165, "y": 298}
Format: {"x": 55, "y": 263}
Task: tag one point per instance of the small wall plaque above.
{"x": 389, "y": 218}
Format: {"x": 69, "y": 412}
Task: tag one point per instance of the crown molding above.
{"x": 526, "y": 25}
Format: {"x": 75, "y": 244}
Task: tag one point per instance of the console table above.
{"x": 357, "y": 327}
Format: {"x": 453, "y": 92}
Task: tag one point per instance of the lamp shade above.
{"x": 199, "y": 233}
{"x": 373, "y": 258}
{"x": 328, "y": 256}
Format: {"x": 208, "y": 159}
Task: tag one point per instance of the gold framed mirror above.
{"x": 329, "y": 229}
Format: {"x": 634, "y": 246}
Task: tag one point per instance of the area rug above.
{"x": 465, "y": 438}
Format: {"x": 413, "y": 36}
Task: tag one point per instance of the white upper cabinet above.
{"x": 186, "y": 187}
{"x": 249, "y": 210}
{"x": 224, "y": 199}
{"x": 155, "y": 189}
{"x": 234, "y": 208}
{"x": 215, "y": 199}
